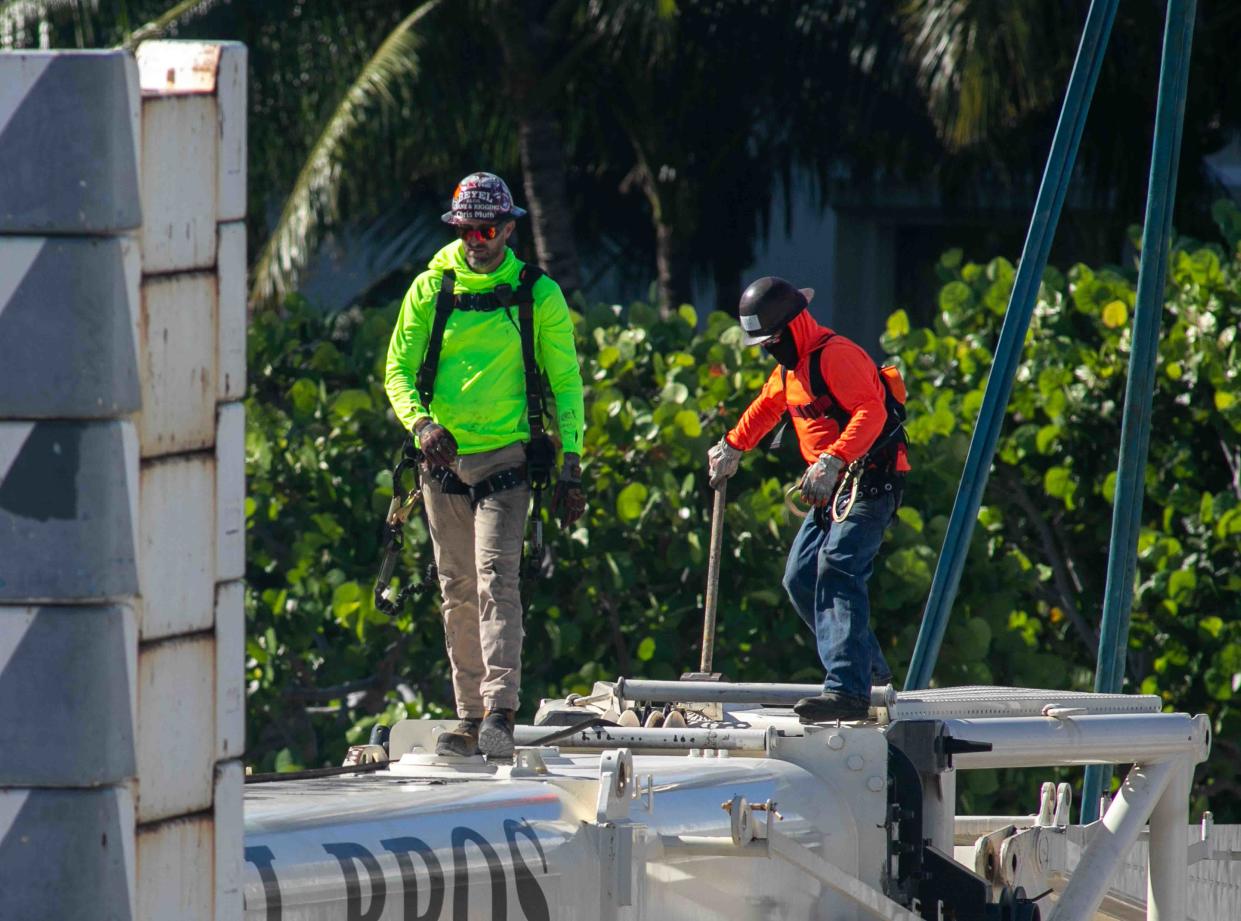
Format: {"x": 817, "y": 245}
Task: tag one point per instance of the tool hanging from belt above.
{"x": 399, "y": 510}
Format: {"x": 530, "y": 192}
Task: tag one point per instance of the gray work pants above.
{"x": 478, "y": 554}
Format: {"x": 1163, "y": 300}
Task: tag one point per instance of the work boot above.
{"x": 462, "y": 740}
{"x": 832, "y": 705}
{"x": 495, "y": 738}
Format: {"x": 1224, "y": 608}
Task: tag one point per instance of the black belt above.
{"x": 876, "y": 482}
{"x": 453, "y": 485}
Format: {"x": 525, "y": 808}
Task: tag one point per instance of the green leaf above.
{"x": 630, "y": 502}
{"x": 285, "y": 762}
{"x": 898, "y": 324}
{"x": 1046, "y": 438}
{"x": 1229, "y": 523}
{"x": 346, "y": 600}
{"x": 943, "y": 421}
{"x": 1200, "y": 267}
{"x": 971, "y": 405}
{"x": 910, "y": 516}
{"x": 1058, "y": 482}
{"x": 1001, "y": 271}
{"x": 1224, "y": 400}
{"x": 674, "y": 392}
{"x": 646, "y": 649}
{"x": 348, "y": 402}
{"x": 1181, "y": 584}
{"x": 687, "y": 313}
{"x": 954, "y": 297}
{"x": 1115, "y": 314}
{"x": 1212, "y": 626}
{"x": 328, "y": 526}
{"x": 990, "y": 517}
{"x": 1206, "y": 508}
{"x": 305, "y": 396}
{"x": 995, "y": 298}
{"x": 687, "y": 421}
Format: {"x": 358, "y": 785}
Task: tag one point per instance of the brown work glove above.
{"x": 437, "y": 443}
{"x": 568, "y": 499}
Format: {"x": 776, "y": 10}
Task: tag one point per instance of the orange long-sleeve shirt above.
{"x": 853, "y": 382}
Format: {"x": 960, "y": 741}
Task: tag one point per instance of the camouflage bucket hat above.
{"x": 481, "y": 197}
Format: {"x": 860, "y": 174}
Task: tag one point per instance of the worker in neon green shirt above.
{"x": 476, "y": 333}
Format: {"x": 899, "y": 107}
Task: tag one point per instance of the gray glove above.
{"x": 820, "y": 479}
{"x": 722, "y": 461}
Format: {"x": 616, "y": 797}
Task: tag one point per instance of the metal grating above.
{"x": 986, "y": 701}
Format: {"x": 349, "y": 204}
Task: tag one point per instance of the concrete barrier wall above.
{"x": 191, "y": 434}
{"x": 69, "y": 133}
{"x": 70, "y": 266}
{"x": 122, "y": 483}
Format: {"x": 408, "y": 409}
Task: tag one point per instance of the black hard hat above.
{"x": 768, "y": 305}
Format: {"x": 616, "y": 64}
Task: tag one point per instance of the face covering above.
{"x": 784, "y": 351}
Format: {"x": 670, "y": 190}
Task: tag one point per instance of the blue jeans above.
{"x": 826, "y": 579}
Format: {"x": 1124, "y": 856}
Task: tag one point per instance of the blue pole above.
{"x": 1139, "y": 388}
{"x": 1046, "y": 215}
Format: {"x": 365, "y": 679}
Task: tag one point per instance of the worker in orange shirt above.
{"x": 848, "y": 424}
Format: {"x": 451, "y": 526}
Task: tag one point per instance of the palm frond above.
{"x": 17, "y": 16}
{"x": 176, "y": 15}
{"x": 314, "y": 199}
{"x": 981, "y": 66}
{"x": 625, "y": 25}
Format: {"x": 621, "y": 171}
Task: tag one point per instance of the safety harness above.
{"x": 540, "y": 451}
{"x": 875, "y": 472}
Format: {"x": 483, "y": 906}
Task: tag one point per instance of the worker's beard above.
{"x": 784, "y": 351}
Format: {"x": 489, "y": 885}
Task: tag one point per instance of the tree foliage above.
{"x": 1047, "y": 516}
{"x": 623, "y": 590}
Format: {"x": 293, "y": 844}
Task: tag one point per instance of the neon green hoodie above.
{"x": 480, "y": 387}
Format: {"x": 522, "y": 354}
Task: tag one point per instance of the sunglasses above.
{"x": 485, "y": 233}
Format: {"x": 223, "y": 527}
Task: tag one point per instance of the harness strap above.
{"x": 453, "y": 485}
{"x": 497, "y": 482}
{"x": 497, "y": 299}
{"x": 821, "y": 407}
{"x": 525, "y": 322}
{"x": 818, "y": 383}
{"x": 882, "y": 454}
{"x": 501, "y": 297}
{"x": 823, "y": 404}
{"x": 444, "y": 304}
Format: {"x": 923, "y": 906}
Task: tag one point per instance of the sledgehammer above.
{"x": 713, "y": 584}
